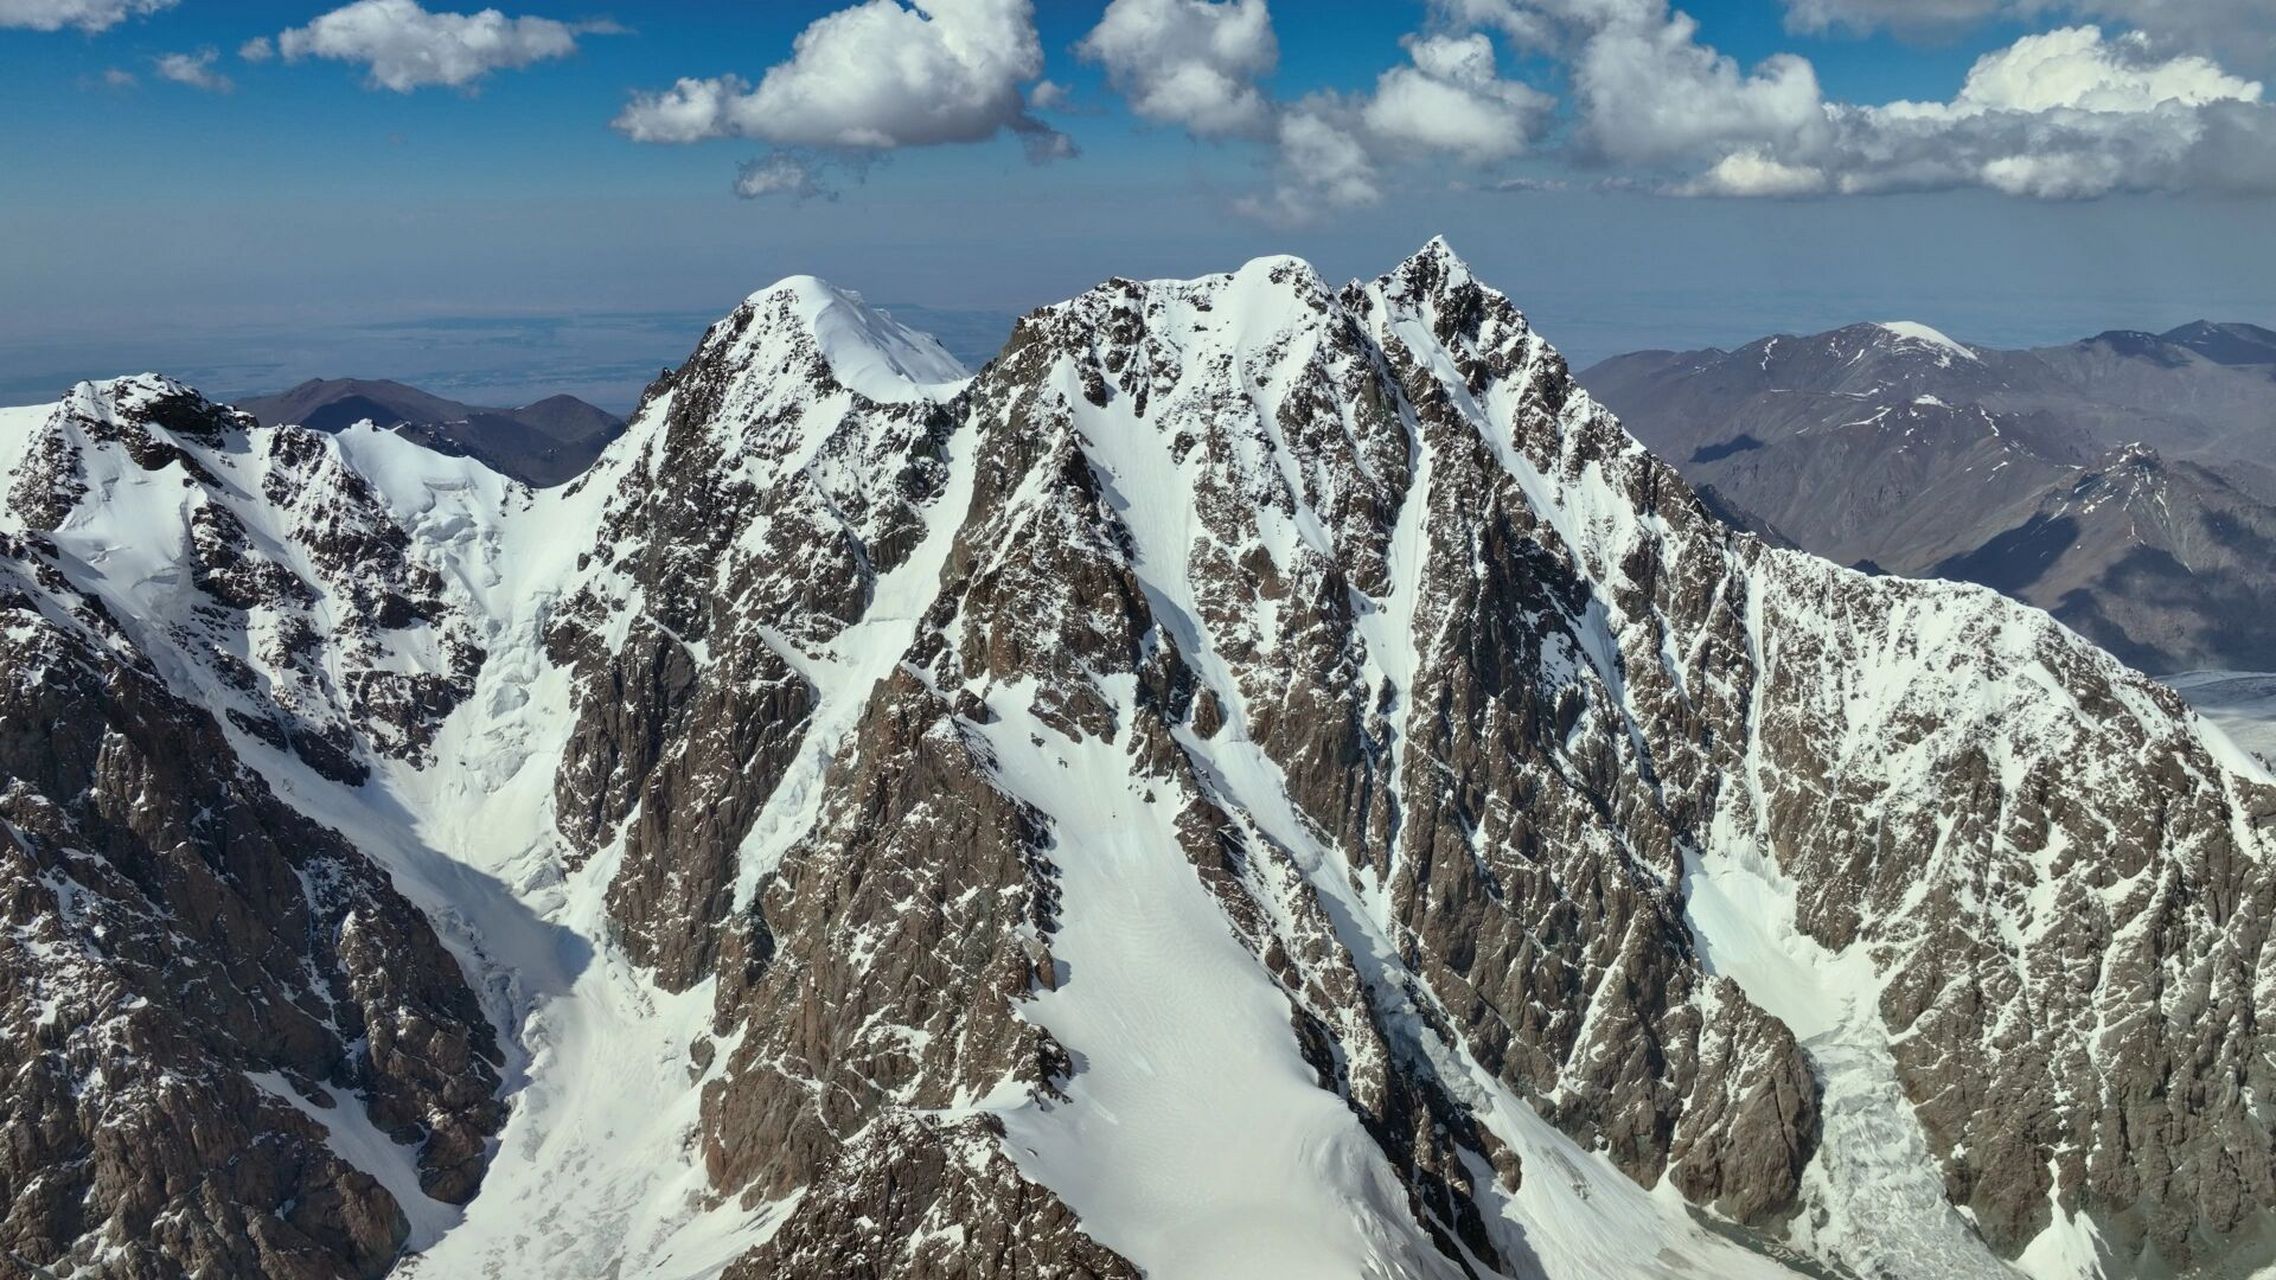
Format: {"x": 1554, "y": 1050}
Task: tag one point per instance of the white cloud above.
{"x": 1644, "y": 89}
{"x": 2242, "y": 31}
{"x": 1751, "y": 173}
{"x": 1200, "y": 65}
{"x": 1332, "y": 151}
{"x": 406, "y": 47}
{"x": 780, "y": 174}
{"x": 2076, "y": 69}
{"x": 195, "y": 70}
{"x": 1452, "y": 99}
{"x": 691, "y": 110}
{"x": 257, "y": 49}
{"x": 2238, "y": 30}
{"x": 1919, "y": 17}
{"x": 874, "y": 77}
{"x": 1191, "y": 63}
{"x": 1324, "y": 167}
{"x": 1649, "y": 91}
{"x": 2065, "y": 114}
{"x": 1553, "y": 26}
{"x": 89, "y": 16}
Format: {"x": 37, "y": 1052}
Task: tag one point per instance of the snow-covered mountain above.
{"x": 2120, "y": 483}
{"x": 1262, "y": 779}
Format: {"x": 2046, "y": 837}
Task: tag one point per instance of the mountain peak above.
{"x": 1436, "y": 264}
{"x": 132, "y": 387}
{"x": 2230, "y": 343}
{"x": 868, "y": 351}
{"x": 153, "y": 400}
{"x": 1439, "y": 249}
{"x": 1914, "y": 333}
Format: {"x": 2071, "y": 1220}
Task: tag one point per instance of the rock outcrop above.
{"x": 197, "y": 983}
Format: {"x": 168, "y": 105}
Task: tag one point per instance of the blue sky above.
{"x": 500, "y": 237}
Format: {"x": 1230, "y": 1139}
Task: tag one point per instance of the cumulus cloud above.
{"x": 1752, "y": 173}
{"x": 1648, "y": 91}
{"x": 1905, "y": 16}
{"x": 1645, "y": 90}
{"x": 1452, "y": 98}
{"x": 1333, "y": 151}
{"x": 406, "y": 47}
{"x": 781, "y": 174}
{"x": 257, "y": 49}
{"x": 89, "y": 16}
{"x": 2234, "y": 29}
{"x": 1201, "y": 65}
{"x": 2071, "y": 113}
{"x": 874, "y": 77}
{"x": 195, "y": 70}
{"x": 1191, "y": 63}
{"x": 1324, "y": 167}
{"x": 2076, "y": 69}
{"x": 2066, "y": 114}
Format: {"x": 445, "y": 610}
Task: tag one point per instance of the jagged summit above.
{"x": 152, "y": 398}
{"x": 1435, "y": 265}
{"x": 1437, "y": 259}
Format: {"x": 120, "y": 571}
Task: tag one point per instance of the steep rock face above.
{"x": 2072, "y": 939}
{"x": 1450, "y": 701}
{"x": 1302, "y": 420}
{"x": 880, "y": 972}
{"x": 196, "y": 983}
{"x": 737, "y": 547}
{"x": 922, "y": 1200}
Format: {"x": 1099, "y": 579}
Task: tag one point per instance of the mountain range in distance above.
{"x": 2123, "y": 482}
{"x": 546, "y": 443}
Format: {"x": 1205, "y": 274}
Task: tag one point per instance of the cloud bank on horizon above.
{"x": 2095, "y": 97}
